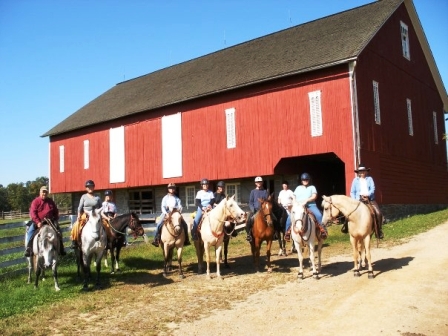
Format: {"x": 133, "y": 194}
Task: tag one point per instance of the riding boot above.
{"x": 288, "y": 235}
{"x": 61, "y": 247}
{"x": 74, "y": 245}
{"x": 28, "y": 251}
{"x": 234, "y": 233}
{"x": 323, "y": 233}
{"x": 249, "y": 224}
{"x": 156, "y": 241}
{"x": 185, "y": 228}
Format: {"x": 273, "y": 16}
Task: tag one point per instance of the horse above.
{"x": 172, "y": 236}
{"x": 281, "y": 215}
{"x": 263, "y": 230}
{"x": 229, "y": 231}
{"x": 45, "y": 254}
{"x": 93, "y": 243}
{"x": 360, "y": 226}
{"x": 303, "y": 231}
{"x": 116, "y": 234}
{"x": 211, "y": 231}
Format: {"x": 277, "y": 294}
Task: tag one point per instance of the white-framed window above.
{"x": 315, "y": 113}
{"x": 436, "y": 134}
{"x": 410, "y": 125}
{"x": 190, "y": 196}
{"x": 376, "y": 103}
{"x": 61, "y": 159}
{"x": 86, "y": 154}
{"x": 230, "y": 128}
{"x": 234, "y": 189}
{"x": 405, "y": 40}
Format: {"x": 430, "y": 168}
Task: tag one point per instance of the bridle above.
{"x": 339, "y": 210}
{"x": 132, "y": 225}
{"x": 173, "y": 227}
{"x": 305, "y": 218}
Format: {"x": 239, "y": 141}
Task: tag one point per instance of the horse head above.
{"x": 298, "y": 212}
{"x": 47, "y": 245}
{"x": 135, "y": 225}
{"x": 175, "y": 219}
{"x": 233, "y": 210}
{"x": 266, "y": 210}
{"x": 94, "y": 223}
{"x": 330, "y": 211}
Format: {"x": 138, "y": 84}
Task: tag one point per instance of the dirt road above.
{"x": 409, "y": 296}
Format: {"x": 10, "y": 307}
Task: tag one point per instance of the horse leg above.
{"x": 268, "y": 255}
{"x": 207, "y": 258}
{"x": 320, "y": 243}
{"x": 199, "y": 254}
{"x": 312, "y": 261}
{"x": 300, "y": 257}
{"x": 256, "y": 253}
{"x": 112, "y": 259}
{"x": 226, "y": 250}
{"x": 54, "y": 268}
{"x": 38, "y": 271}
{"x": 86, "y": 270}
{"x": 218, "y": 270}
{"x": 165, "y": 258}
{"x": 98, "y": 269}
{"x": 117, "y": 257}
{"x": 179, "y": 260}
{"x": 368, "y": 256}
{"x": 30, "y": 269}
{"x": 354, "y": 243}
{"x": 105, "y": 258}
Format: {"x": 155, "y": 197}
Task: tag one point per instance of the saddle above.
{"x": 375, "y": 219}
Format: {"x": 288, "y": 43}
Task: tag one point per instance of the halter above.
{"x": 265, "y": 216}
{"x": 168, "y": 221}
{"x": 301, "y": 232}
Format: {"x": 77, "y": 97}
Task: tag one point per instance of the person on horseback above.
{"x": 363, "y": 189}
{"x": 306, "y": 193}
{"x": 42, "y": 208}
{"x": 110, "y": 211}
{"x": 254, "y": 204}
{"x": 170, "y": 201}
{"x": 204, "y": 200}
{"x": 88, "y": 202}
{"x": 219, "y": 196}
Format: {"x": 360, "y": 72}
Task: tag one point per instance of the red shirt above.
{"x": 41, "y": 208}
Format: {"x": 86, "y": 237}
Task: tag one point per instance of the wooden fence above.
{"x": 20, "y": 214}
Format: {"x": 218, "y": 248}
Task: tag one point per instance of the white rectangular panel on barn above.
{"x": 172, "y": 145}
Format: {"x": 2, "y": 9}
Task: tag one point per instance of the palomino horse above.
{"x": 360, "y": 225}
{"x": 281, "y": 215}
{"x": 212, "y": 231}
{"x": 172, "y": 236}
{"x": 303, "y": 231}
{"x": 263, "y": 230}
{"x": 116, "y": 233}
{"x": 93, "y": 243}
{"x": 45, "y": 254}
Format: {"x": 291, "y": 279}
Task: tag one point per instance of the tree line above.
{"x": 18, "y": 196}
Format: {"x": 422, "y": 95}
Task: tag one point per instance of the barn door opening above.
{"x": 141, "y": 201}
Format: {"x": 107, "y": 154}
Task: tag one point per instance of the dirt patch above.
{"x": 409, "y": 296}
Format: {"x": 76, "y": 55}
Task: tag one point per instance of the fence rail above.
{"x": 21, "y": 214}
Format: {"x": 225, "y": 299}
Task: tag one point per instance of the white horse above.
{"x": 303, "y": 231}
{"x": 360, "y": 226}
{"x": 45, "y": 255}
{"x": 93, "y": 243}
{"x": 172, "y": 236}
{"x": 212, "y": 231}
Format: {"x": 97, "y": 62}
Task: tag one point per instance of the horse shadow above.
{"x": 390, "y": 264}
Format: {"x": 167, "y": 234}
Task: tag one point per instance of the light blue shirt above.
{"x": 205, "y": 197}
{"x": 171, "y": 201}
{"x": 302, "y": 193}
{"x": 356, "y": 188}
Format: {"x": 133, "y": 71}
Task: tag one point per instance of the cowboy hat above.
{"x": 361, "y": 167}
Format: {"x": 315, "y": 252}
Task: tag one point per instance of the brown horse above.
{"x": 263, "y": 230}
{"x": 360, "y": 225}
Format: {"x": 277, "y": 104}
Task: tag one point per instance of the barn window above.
{"x": 234, "y": 189}
{"x": 315, "y": 113}
{"x": 116, "y": 155}
{"x": 405, "y": 40}
{"x": 86, "y": 154}
{"x": 376, "y": 102}
{"x": 172, "y": 145}
{"x": 436, "y": 135}
{"x": 61, "y": 159}
{"x": 410, "y": 126}
{"x": 230, "y": 128}
{"x": 190, "y": 195}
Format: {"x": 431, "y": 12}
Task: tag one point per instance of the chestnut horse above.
{"x": 263, "y": 230}
{"x": 360, "y": 225}
{"x": 172, "y": 235}
{"x": 303, "y": 231}
{"x": 211, "y": 231}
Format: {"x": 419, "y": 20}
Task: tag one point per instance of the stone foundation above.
{"x": 397, "y": 211}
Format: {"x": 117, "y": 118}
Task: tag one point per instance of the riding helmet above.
{"x": 90, "y": 183}
{"x": 258, "y": 179}
{"x": 171, "y": 185}
{"x": 305, "y": 176}
{"x": 108, "y": 193}
{"x": 221, "y": 184}
{"x": 204, "y": 181}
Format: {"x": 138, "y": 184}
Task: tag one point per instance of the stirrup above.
{"x": 249, "y": 238}
{"x": 287, "y": 236}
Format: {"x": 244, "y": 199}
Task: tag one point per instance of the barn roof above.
{"x": 321, "y": 43}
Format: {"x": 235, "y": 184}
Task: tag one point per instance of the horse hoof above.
{"x": 316, "y": 276}
{"x": 57, "y": 289}
{"x": 112, "y": 272}
{"x": 181, "y": 276}
{"x": 371, "y": 276}
{"x": 356, "y": 274}
{"x": 226, "y": 266}
{"x": 269, "y": 269}
{"x": 300, "y": 276}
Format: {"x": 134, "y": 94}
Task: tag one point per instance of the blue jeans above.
{"x": 316, "y": 212}
{"x": 197, "y": 220}
{"x": 288, "y": 223}
{"x": 29, "y": 233}
{"x": 160, "y": 223}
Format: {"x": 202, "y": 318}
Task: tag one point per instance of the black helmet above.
{"x": 221, "y": 184}
{"x": 108, "y": 193}
{"x": 171, "y": 185}
{"x": 90, "y": 183}
{"x": 305, "y": 176}
{"x": 204, "y": 181}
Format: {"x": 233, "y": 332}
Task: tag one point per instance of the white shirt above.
{"x": 364, "y": 190}
{"x": 285, "y": 197}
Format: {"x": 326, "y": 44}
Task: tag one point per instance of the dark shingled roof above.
{"x": 320, "y": 43}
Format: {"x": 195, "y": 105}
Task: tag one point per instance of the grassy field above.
{"x": 143, "y": 263}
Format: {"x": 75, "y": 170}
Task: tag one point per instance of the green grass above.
{"x": 139, "y": 260}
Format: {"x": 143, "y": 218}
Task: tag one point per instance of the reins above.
{"x": 347, "y": 216}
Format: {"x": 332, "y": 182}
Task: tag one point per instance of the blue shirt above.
{"x": 255, "y": 194}
{"x": 302, "y": 193}
{"x": 356, "y": 188}
{"x": 205, "y": 197}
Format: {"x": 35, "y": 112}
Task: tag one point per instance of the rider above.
{"x": 306, "y": 193}
{"x": 42, "y": 207}
{"x": 254, "y": 204}
{"x": 219, "y": 196}
{"x": 110, "y": 211}
{"x": 170, "y": 201}
{"x": 204, "y": 200}
{"x": 363, "y": 189}
{"x": 285, "y": 198}
{"x": 88, "y": 202}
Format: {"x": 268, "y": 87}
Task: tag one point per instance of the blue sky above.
{"x": 56, "y": 56}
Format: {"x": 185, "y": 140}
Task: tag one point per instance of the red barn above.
{"x": 321, "y": 97}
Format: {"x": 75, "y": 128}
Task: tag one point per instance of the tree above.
{"x": 4, "y": 205}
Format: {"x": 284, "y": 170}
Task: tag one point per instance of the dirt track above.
{"x": 409, "y": 296}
